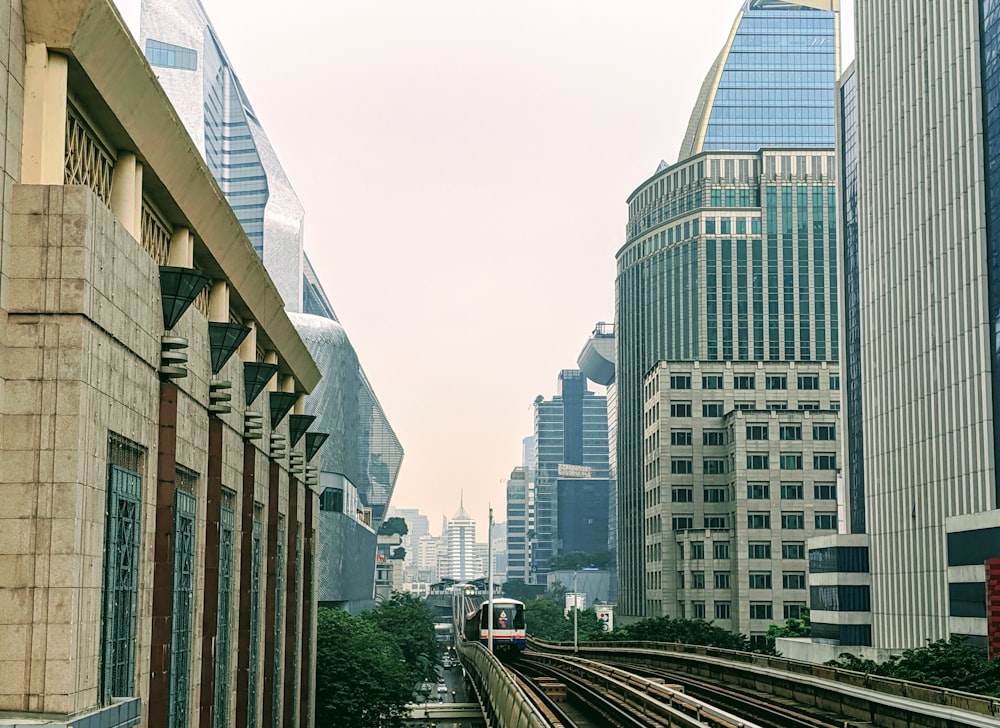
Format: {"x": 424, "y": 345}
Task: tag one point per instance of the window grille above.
{"x": 89, "y": 161}
{"x": 122, "y": 539}
{"x": 254, "y": 619}
{"x": 224, "y": 620}
{"x": 155, "y": 232}
{"x": 185, "y": 507}
{"x": 279, "y": 613}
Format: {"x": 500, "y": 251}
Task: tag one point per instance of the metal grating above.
{"x": 88, "y": 161}
{"x": 254, "y": 620}
{"x": 122, "y": 538}
{"x": 201, "y": 302}
{"x": 185, "y": 506}
{"x": 155, "y": 232}
{"x": 279, "y": 601}
{"x": 224, "y": 621}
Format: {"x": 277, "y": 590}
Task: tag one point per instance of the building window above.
{"x": 697, "y": 579}
{"x": 698, "y": 609}
{"x": 721, "y": 580}
{"x": 760, "y": 611}
{"x": 181, "y": 618}
{"x": 712, "y": 409}
{"x": 792, "y": 461}
{"x": 713, "y": 437}
{"x": 793, "y": 611}
{"x": 680, "y": 409}
{"x": 224, "y": 618}
{"x": 680, "y": 466}
{"x": 745, "y": 406}
{"x": 825, "y": 461}
{"x": 834, "y": 382}
{"x": 122, "y": 541}
{"x": 757, "y": 461}
{"x": 697, "y": 550}
{"x": 756, "y": 432}
{"x": 168, "y": 55}
{"x": 795, "y": 521}
{"x": 722, "y": 610}
{"x": 681, "y": 495}
{"x": 255, "y": 569}
{"x": 680, "y": 381}
{"x": 760, "y": 580}
{"x": 824, "y": 432}
{"x": 711, "y": 381}
{"x": 682, "y": 523}
{"x": 720, "y": 550}
{"x": 805, "y": 406}
{"x": 776, "y": 381}
{"x": 680, "y": 438}
{"x": 792, "y": 550}
{"x": 715, "y": 495}
{"x": 791, "y": 432}
{"x": 792, "y": 491}
{"x": 713, "y": 466}
{"x": 809, "y": 381}
{"x": 758, "y": 491}
{"x": 758, "y": 520}
{"x": 825, "y": 491}
{"x": 777, "y": 406}
{"x": 793, "y": 580}
{"x": 760, "y": 550}
{"x": 826, "y": 521}
{"x": 743, "y": 382}
{"x": 717, "y": 522}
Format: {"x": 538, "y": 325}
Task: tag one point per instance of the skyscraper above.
{"x": 519, "y": 523}
{"x": 921, "y": 251}
{"x": 570, "y": 429}
{"x": 462, "y": 560}
{"x": 730, "y": 254}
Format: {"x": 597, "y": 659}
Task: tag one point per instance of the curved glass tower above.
{"x": 729, "y": 270}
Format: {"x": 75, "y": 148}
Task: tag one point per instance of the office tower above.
{"x": 597, "y": 362}
{"x": 730, "y": 257}
{"x": 519, "y": 525}
{"x": 427, "y": 559}
{"x": 363, "y": 455}
{"x": 920, "y": 248}
{"x": 462, "y": 560}
{"x": 570, "y": 429}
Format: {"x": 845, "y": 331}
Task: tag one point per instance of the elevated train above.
{"x": 508, "y": 624}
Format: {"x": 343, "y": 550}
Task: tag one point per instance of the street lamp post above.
{"x": 576, "y": 608}
{"x": 489, "y": 579}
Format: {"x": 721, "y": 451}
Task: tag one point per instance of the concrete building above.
{"x": 730, "y": 252}
{"x": 520, "y": 487}
{"x": 427, "y": 559}
{"x": 364, "y": 454}
{"x": 160, "y": 512}
{"x": 920, "y": 218}
{"x": 461, "y": 557}
{"x": 571, "y": 428}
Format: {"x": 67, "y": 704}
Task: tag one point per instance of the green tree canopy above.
{"x": 393, "y": 525}
{"x": 579, "y": 559}
{"x": 362, "y": 679}
{"x": 409, "y": 622}
{"x": 517, "y": 589}
{"x": 945, "y": 663}
{"x": 686, "y": 631}
{"x": 800, "y": 627}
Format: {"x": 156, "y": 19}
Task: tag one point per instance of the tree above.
{"x": 517, "y": 589}
{"x": 580, "y": 559}
{"x": 393, "y": 525}
{"x": 800, "y": 627}
{"x": 545, "y": 619}
{"x": 686, "y": 631}
{"x": 362, "y": 679}
{"x": 409, "y": 622}
{"x": 398, "y": 553}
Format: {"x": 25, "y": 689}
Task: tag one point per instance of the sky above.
{"x": 464, "y": 168}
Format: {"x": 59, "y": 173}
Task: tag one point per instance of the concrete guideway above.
{"x": 445, "y": 711}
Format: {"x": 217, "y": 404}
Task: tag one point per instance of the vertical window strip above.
{"x": 122, "y": 539}
{"x": 711, "y": 302}
{"x": 757, "y": 279}
{"x": 774, "y": 335}
{"x": 727, "y": 299}
{"x": 805, "y": 338}
{"x": 279, "y": 621}
{"x": 224, "y": 622}
{"x": 831, "y": 218}
{"x": 742, "y": 312}
{"x": 296, "y": 617}
{"x": 788, "y": 272}
{"x": 819, "y": 274}
{"x": 185, "y": 507}
{"x": 254, "y": 618}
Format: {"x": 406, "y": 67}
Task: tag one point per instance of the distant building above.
{"x": 462, "y": 559}
{"x": 519, "y": 488}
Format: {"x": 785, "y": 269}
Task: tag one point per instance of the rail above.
{"x": 866, "y": 697}
{"x": 504, "y": 702}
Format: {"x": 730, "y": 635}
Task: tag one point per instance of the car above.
{"x": 442, "y": 688}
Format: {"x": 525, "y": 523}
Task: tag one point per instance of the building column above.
{"x": 291, "y": 601}
{"x": 163, "y": 557}
{"x": 307, "y": 677}
{"x": 270, "y": 602}
{"x": 126, "y": 193}
{"x": 245, "y": 692}
{"x": 210, "y": 611}
{"x": 43, "y": 144}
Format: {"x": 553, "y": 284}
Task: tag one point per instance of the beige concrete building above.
{"x": 158, "y": 520}
{"x": 740, "y": 468}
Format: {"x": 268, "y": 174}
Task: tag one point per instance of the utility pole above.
{"x": 489, "y": 578}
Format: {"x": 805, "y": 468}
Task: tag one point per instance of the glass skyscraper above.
{"x": 730, "y": 256}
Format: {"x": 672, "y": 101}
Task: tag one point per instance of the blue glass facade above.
{"x": 852, "y": 320}
{"x": 776, "y": 87}
{"x": 990, "y": 49}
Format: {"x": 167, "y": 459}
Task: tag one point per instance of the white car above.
{"x": 442, "y": 688}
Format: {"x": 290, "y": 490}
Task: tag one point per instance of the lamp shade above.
{"x": 297, "y": 426}
{"x": 281, "y": 403}
{"x": 256, "y": 375}
{"x": 314, "y": 441}
{"x": 178, "y": 289}
{"x": 224, "y": 339}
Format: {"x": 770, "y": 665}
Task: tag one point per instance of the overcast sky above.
{"x": 464, "y": 167}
